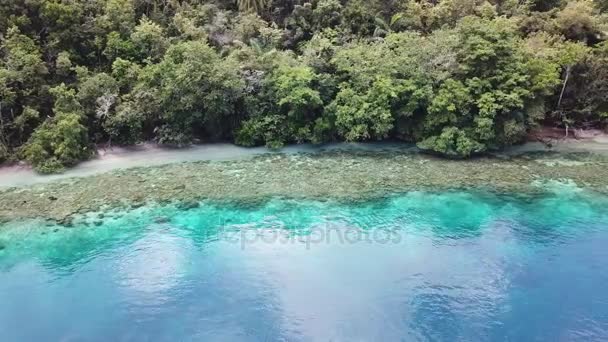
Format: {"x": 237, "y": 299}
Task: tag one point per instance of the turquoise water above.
{"x": 417, "y": 266}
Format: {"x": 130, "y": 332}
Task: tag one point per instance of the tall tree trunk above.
{"x": 561, "y": 95}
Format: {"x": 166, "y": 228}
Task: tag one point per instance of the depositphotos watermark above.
{"x": 309, "y": 237}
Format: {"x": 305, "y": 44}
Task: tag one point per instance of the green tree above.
{"x": 256, "y": 6}
{"x": 458, "y": 77}
{"x": 383, "y": 87}
{"x": 189, "y": 93}
{"x": 62, "y": 140}
{"x": 118, "y": 16}
{"x": 583, "y": 102}
{"x": 149, "y": 40}
{"x": 489, "y": 106}
{"x": 292, "y": 112}
{"x": 22, "y": 91}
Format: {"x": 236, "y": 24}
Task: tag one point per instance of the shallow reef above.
{"x": 336, "y": 175}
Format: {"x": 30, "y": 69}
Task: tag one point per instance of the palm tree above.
{"x": 256, "y": 6}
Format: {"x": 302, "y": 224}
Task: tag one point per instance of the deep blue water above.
{"x": 451, "y": 266}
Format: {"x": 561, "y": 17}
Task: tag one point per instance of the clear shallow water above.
{"x": 147, "y": 155}
{"x": 416, "y": 266}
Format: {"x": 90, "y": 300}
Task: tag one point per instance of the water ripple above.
{"x": 418, "y": 266}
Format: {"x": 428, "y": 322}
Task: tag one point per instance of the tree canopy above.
{"x": 456, "y": 77}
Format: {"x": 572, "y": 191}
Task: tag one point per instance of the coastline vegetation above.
{"x": 457, "y": 77}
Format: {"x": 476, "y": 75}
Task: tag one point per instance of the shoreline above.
{"x": 151, "y": 155}
{"x": 333, "y": 174}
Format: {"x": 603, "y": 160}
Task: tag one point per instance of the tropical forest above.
{"x": 458, "y": 78}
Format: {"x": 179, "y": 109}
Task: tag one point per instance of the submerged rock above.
{"x": 161, "y": 220}
{"x": 67, "y": 221}
{"x": 136, "y": 205}
{"x": 188, "y": 205}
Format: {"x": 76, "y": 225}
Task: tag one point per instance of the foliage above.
{"x": 288, "y": 108}
{"x": 4, "y": 153}
{"x": 252, "y": 5}
{"x": 148, "y": 40}
{"x": 22, "y": 90}
{"x": 62, "y": 140}
{"x": 585, "y": 100}
{"x": 190, "y": 92}
{"x": 485, "y": 104}
{"x": 457, "y": 77}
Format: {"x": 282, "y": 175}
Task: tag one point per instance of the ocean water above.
{"x": 419, "y": 266}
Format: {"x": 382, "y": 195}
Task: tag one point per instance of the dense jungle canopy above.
{"x": 457, "y": 77}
